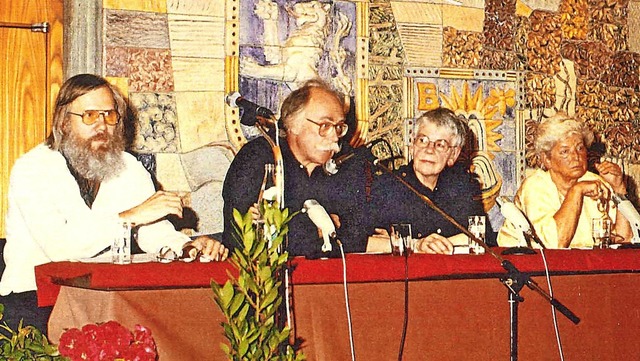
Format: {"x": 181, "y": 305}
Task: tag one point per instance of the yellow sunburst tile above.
{"x": 155, "y": 6}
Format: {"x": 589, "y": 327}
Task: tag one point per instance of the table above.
{"x": 458, "y": 310}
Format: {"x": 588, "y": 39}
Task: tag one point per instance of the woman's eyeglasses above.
{"x": 89, "y": 117}
{"x": 323, "y": 130}
{"x": 440, "y": 145}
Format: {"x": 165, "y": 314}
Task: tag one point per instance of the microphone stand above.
{"x": 261, "y": 125}
{"x": 514, "y": 280}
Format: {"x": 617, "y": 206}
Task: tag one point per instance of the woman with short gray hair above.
{"x": 561, "y": 198}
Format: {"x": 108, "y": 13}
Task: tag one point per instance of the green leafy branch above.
{"x": 26, "y": 343}
{"x": 251, "y": 301}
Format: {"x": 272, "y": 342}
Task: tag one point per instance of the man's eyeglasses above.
{"x": 323, "y": 130}
{"x": 111, "y": 116}
{"x": 440, "y": 145}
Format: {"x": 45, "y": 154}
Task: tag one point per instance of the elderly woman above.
{"x": 562, "y": 197}
{"x": 435, "y": 173}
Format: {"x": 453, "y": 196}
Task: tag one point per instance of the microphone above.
{"x": 321, "y": 219}
{"x": 630, "y": 213}
{"x": 235, "y": 100}
{"x": 332, "y": 166}
{"x": 514, "y": 215}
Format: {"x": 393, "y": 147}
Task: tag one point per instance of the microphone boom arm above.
{"x": 513, "y": 274}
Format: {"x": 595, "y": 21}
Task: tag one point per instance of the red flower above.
{"x": 108, "y": 341}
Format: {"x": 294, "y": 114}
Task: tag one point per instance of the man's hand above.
{"x": 209, "y": 247}
{"x": 379, "y": 242}
{"x": 160, "y": 204}
{"x": 434, "y": 244}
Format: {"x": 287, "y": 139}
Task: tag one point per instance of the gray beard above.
{"x": 101, "y": 164}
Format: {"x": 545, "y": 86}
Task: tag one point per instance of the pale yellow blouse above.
{"x": 539, "y": 199}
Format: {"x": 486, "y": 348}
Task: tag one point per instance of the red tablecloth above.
{"x": 458, "y": 310}
{"x": 360, "y": 268}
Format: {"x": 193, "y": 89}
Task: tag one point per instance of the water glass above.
{"x": 601, "y": 232}
{"x": 477, "y": 227}
{"x": 121, "y": 248}
{"x": 401, "y": 239}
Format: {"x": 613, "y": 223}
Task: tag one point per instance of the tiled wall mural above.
{"x": 503, "y": 64}
{"x": 169, "y": 56}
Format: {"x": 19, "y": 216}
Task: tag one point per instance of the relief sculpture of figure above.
{"x": 299, "y": 56}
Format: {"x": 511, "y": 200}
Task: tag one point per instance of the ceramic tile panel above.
{"x": 170, "y": 172}
{"x": 196, "y": 7}
{"x": 200, "y": 118}
{"x": 154, "y": 6}
{"x": 208, "y": 44}
{"x": 206, "y": 164}
{"x": 157, "y": 130}
{"x": 207, "y": 202}
{"x": 633, "y": 22}
{"x": 488, "y": 100}
{"x": 422, "y": 44}
{"x": 150, "y": 70}
{"x": 463, "y": 18}
{"x": 551, "y": 5}
{"x": 462, "y": 49}
{"x": 496, "y": 59}
{"x": 500, "y": 24}
{"x": 386, "y": 60}
{"x": 566, "y": 87}
{"x": 121, "y": 83}
{"x": 417, "y": 13}
{"x": 116, "y": 61}
{"x": 136, "y": 28}
{"x": 198, "y": 74}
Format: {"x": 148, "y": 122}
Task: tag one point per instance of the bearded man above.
{"x": 67, "y": 195}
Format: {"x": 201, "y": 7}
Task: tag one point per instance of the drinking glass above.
{"x": 401, "y": 239}
{"x": 601, "y": 232}
{"x": 121, "y": 247}
{"x": 477, "y": 227}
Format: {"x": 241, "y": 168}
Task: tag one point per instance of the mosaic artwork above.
{"x": 489, "y": 106}
{"x": 286, "y": 43}
{"x": 157, "y": 130}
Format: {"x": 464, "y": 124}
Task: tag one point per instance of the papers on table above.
{"x": 106, "y": 258}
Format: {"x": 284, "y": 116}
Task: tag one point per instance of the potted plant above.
{"x": 251, "y": 301}
{"x": 25, "y": 343}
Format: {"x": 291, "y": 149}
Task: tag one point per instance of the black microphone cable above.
{"x": 405, "y": 322}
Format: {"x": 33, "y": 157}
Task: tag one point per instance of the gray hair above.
{"x": 557, "y": 127}
{"x": 443, "y": 117}
{"x": 71, "y": 90}
{"x": 299, "y": 98}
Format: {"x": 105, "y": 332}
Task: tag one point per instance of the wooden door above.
{"x": 30, "y": 76}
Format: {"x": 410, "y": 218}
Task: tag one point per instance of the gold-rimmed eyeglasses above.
{"x": 323, "y": 128}
{"x": 440, "y": 145}
{"x": 89, "y": 117}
